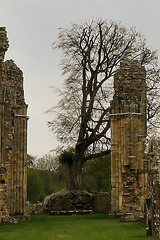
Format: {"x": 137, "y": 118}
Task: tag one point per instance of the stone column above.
{"x": 152, "y": 204}
{"x": 128, "y": 134}
{"x": 15, "y": 144}
{"x": 3, "y": 175}
{"x": 13, "y": 136}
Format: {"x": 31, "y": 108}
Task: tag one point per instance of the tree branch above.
{"x": 97, "y": 155}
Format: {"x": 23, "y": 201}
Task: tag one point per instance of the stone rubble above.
{"x": 36, "y": 208}
{"x": 69, "y": 201}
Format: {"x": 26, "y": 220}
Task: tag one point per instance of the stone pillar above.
{"x": 3, "y": 174}
{"x": 4, "y": 212}
{"x": 13, "y": 137}
{"x": 128, "y": 134}
{"x": 152, "y": 206}
{"x": 15, "y": 144}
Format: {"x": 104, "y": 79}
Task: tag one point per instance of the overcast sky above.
{"x": 32, "y": 27}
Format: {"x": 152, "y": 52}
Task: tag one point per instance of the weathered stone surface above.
{"x": 99, "y": 202}
{"x": 128, "y": 134}
{"x": 152, "y": 204}
{"x": 65, "y": 200}
{"x": 13, "y": 136}
{"x": 36, "y": 208}
{"x": 102, "y": 202}
{"x": 72, "y": 212}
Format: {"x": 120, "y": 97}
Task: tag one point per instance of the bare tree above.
{"x": 92, "y": 53}
{"x": 153, "y": 101}
{"x": 47, "y": 162}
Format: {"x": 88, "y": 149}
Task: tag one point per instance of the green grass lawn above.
{"x": 76, "y": 227}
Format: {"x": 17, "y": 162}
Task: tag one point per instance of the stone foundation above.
{"x": 69, "y": 201}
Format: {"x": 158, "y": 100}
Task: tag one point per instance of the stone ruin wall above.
{"x": 128, "y": 134}
{"x": 128, "y": 128}
{"x": 152, "y": 204}
{"x": 13, "y": 137}
{"x": 135, "y": 178}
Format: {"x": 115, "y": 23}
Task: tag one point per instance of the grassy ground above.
{"x": 86, "y": 227}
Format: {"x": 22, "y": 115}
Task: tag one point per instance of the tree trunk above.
{"x": 74, "y": 178}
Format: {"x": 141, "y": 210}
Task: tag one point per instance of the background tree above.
{"x": 47, "y": 162}
{"x": 92, "y": 53}
{"x": 44, "y": 178}
{"x": 30, "y": 160}
{"x": 96, "y": 175}
{"x": 35, "y": 186}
